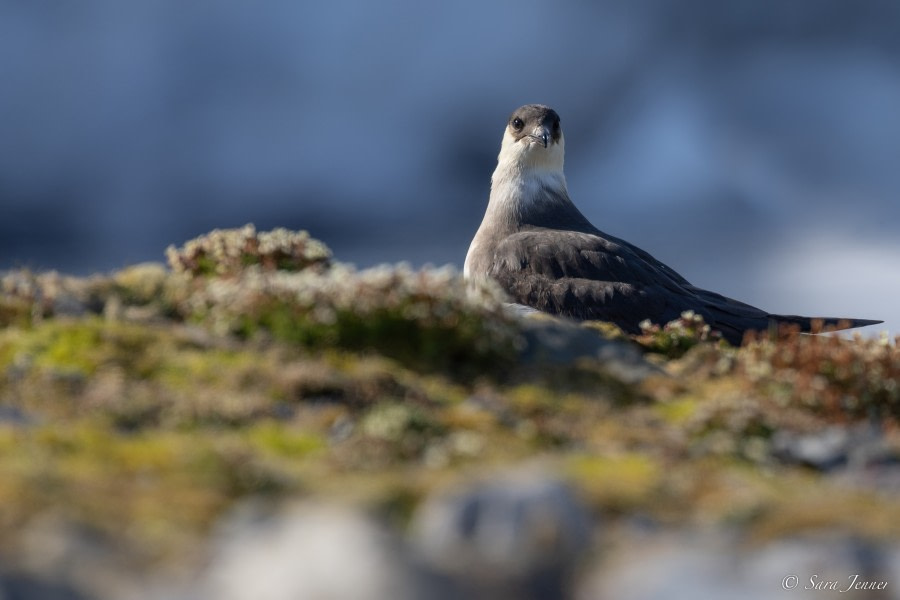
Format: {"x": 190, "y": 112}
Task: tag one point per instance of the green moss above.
{"x": 678, "y": 411}
{"x": 65, "y": 347}
{"x": 531, "y": 399}
{"x": 606, "y": 329}
{"x": 125, "y": 483}
{"x": 82, "y": 346}
{"x": 619, "y": 482}
{"x": 284, "y": 441}
{"x": 189, "y": 367}
{"x": 15, "y": 311}
{"x": 391, "y": 332}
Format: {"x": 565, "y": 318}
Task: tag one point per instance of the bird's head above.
{"x": 533, "y": 139}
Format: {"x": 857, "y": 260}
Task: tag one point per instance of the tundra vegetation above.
{"x": 142, "y": 405}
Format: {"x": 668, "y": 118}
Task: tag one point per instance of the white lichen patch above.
{"x": 225, "y": 252}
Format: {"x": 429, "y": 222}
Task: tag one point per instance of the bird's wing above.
{"x": 590, "y": 276}
{"x": 586, "y": 276}
{"x": 646, "y": 257}
{"x": 593, "y": 276}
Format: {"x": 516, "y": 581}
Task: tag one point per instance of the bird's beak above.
{"x": 541, "y": 135}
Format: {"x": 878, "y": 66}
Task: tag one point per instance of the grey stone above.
{"x": 837, "y": 447}
{"x": 71, "y": 560}
{"x": 309, "y": 552}
{"x": 713, "y": 566}
{"x": 12, "y": 415}
{"x": 519, "y": 536}
{"x": 24, "y": 587}
{"x": 555, "y": 341}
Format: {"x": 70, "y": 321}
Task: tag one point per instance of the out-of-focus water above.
{"x": 751, "y": 145}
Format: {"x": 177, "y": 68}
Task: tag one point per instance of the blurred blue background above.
{"x": 754, "y": 146}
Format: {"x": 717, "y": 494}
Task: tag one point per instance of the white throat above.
{"x": 524, "y": 172}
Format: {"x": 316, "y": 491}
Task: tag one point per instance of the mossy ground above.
{"x": 145, "y": 420}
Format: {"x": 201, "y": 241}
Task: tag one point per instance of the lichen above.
{"x": 141, "y": 284}
{"x": 676, "y": 337}
{"x": 226, "y": 252}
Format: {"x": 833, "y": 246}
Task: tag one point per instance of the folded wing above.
{"x": 599, "y": 277}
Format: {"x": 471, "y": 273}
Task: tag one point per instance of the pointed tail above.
{"x": 820, "y": 324}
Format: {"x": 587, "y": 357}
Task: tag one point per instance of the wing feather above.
{"x": 588, "y": 276}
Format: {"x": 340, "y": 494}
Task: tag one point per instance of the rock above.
{"x": 848, "y": 447}
{"x": 555, "y": 341}
{"x": 309, "y": 552}
{"x": 708, "y": 567}
{"x": 823, "y": 450}
{"x": 519, "y": 536}
{"x": 23, "y": 587}
{"x": 58, "y": 558}
{"x": 14, "y": 416}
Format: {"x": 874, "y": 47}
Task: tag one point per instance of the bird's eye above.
{"x": 518, "y": 124}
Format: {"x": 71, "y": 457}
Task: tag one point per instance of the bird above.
{"x": 535, "y": 243}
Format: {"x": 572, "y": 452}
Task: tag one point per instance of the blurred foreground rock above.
{"x": 311, "y": 551}
{"x": 520, "y": 535}
{"x": 517, "y": 537}
{"x": 698, "y": 566}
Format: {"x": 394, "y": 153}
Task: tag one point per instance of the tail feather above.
{"x": 734, "y": 319}
{"x": 818, "y": 324}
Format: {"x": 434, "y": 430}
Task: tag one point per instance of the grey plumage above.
{"x": 547, "y": 255}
